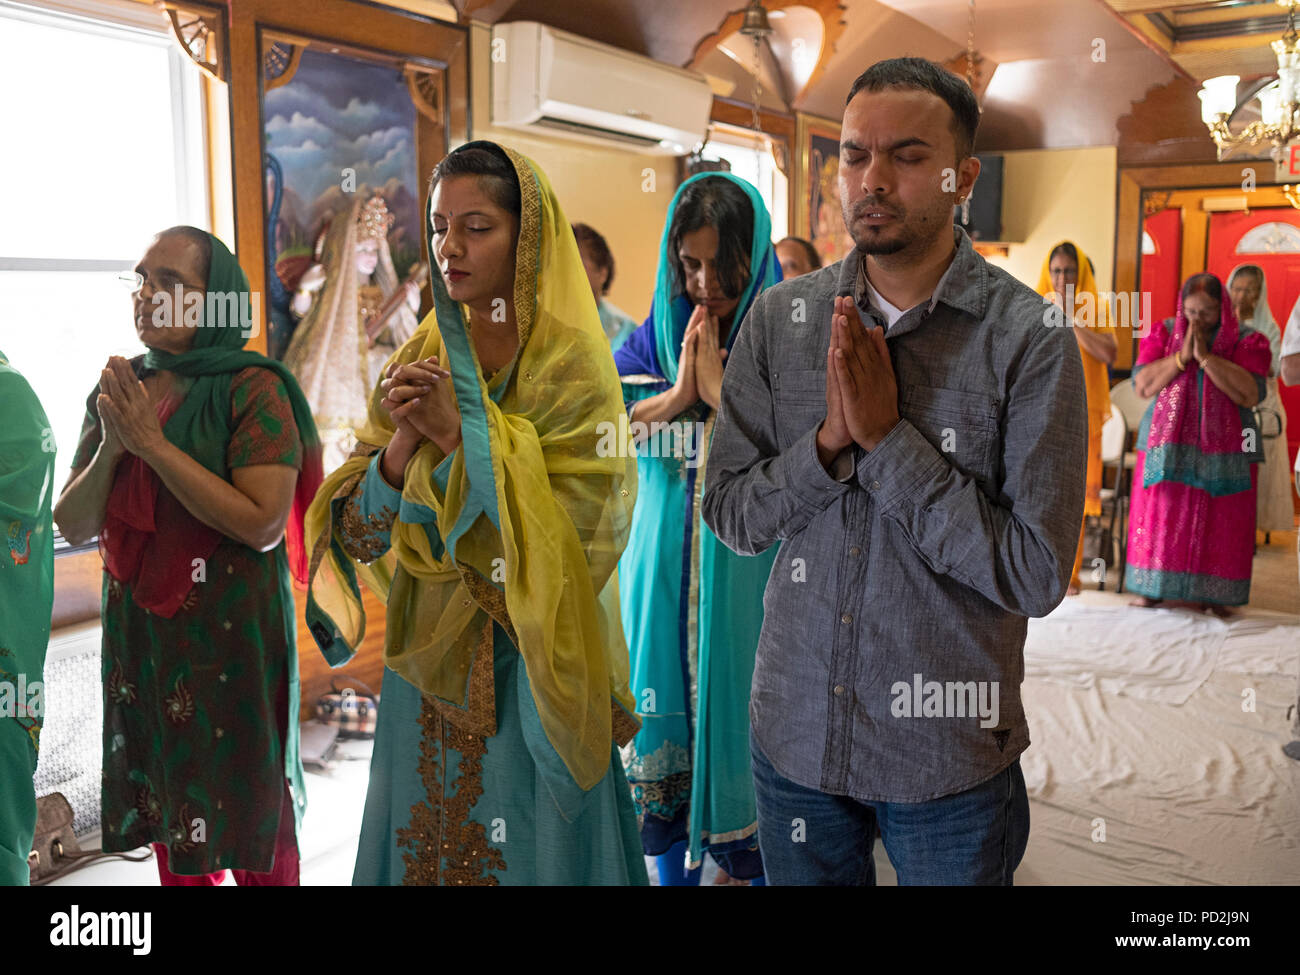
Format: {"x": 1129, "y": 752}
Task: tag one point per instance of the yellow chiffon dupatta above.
{"x": 523, "y": 524}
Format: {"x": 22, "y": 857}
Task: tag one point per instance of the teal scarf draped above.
{"x": 671, "y": 312}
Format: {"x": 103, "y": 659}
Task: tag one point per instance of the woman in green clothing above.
{"x": 482, "y": 508}
{"x": 193, "y": 459}
{"x": 26, "y": 598}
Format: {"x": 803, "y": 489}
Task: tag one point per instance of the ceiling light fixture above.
{"x": 1277, "y": 101}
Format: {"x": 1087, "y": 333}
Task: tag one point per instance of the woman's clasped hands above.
{"x": 420, "y": 399}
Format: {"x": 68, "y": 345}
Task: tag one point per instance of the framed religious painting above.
{"x": 342, "y": 131}
{"x": 818, "y": 216}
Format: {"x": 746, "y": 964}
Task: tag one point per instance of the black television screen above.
{"x": 985, "y": 221}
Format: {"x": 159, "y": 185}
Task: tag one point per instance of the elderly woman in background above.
{"x": 1192, "y": 528}
{"x": 193, "y": 460}
{"x": 797, "y": 256}
{"x": 1249, "y": 293}
{"x": 1067, "y": 273}
{"x": 598, "y": 262}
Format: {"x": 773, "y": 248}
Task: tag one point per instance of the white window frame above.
{"x": 745, "y": 139}
{"x": 141, "y": 23}
{"x": 115, "y": 18}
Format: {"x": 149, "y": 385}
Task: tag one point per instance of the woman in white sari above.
{"x": 1249, "y": 293}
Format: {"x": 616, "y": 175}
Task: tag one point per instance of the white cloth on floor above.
{"x": 1153, "y": 654}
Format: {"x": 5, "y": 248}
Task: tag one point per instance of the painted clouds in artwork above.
{"x": 339, "y": 113}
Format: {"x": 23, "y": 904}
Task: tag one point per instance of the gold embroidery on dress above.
{"x": 444, "y": 846}
{"x": 623, "y": 725}
{"x": 363, "y": 536}
{"x": 530, "y": 223}
{"x": 479, "y": 716}
{"x": 321, "y": 544}
{"x": 181, "y": 840}
{"x": 492, "y": 599}
{"x": 120, "y": 690}
{"x": 178, "y": 706}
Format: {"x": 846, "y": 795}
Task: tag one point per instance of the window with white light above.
{"x": 751, "y": 159}
{"x": 104, "y": 148}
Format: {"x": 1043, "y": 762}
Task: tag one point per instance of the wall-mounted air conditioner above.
{"x": 548, "y": 79}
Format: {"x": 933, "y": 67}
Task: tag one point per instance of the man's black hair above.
{"x": 923, "y": 75}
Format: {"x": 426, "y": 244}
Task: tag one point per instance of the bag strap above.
{"x": 75, "y": 861}
{"x": 355, "y": 680}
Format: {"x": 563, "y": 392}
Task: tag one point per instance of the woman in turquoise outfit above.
{"x": 692, "y": 609}
{"x": 481, "y": 508}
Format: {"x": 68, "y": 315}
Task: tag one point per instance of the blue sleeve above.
{"x": 637, "y": 356}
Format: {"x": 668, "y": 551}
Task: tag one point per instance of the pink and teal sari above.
{"x": 1192, "y": 524}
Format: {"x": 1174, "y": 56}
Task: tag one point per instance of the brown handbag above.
{"x": 55, "y": 851}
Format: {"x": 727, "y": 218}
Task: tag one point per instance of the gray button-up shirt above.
{"x": 892, "y": 649}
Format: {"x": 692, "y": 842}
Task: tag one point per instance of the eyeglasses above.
{"x": 134, "y": 282}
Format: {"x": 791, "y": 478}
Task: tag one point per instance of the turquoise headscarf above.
{"x": 672, "y": 312}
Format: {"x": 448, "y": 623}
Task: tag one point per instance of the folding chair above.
{"x": 1124, "y": 397}
{"x": 1114, "y": 440}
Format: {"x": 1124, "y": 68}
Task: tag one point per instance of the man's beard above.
{"x": 871, "y": 241}
{"x": 880, "y": 245}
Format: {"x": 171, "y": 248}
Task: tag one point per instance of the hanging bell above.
{"x": 755, "y": 24}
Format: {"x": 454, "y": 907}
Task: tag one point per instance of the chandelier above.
{"x": 1278, "y": 108}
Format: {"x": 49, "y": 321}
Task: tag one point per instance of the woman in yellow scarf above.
{"x": 1067, "y": 273}
{"x": 481, "y": 506}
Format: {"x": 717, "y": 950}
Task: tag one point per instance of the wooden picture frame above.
{"x": 817, "y": 214}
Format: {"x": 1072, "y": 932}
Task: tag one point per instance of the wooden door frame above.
{"x": 361, "y": 26}
{"x": 1135, "y": 181}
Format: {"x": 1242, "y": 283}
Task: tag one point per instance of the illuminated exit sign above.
{"x": 1288, "y": 166}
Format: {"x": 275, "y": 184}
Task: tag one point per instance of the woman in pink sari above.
{"x": 1192, "y": 530}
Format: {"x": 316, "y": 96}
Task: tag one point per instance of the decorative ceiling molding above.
{"x": 958, "y": 66}
{"x": 1203, "y": 38}
{"x": 200, "y": 31}
{"x": 830, "y": 11}
{"x": 1164, "y": 126}
{"x": 427, "y": 90}
{"x": 1153, "y": 203}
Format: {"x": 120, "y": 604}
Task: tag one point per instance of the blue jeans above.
{"x": 811, "y": 837}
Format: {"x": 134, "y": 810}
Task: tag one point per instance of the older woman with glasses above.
{"x": 193, "y": 460}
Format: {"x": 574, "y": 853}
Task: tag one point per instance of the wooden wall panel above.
{"x": 77, "y": 581}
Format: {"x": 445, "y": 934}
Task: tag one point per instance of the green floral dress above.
{"x": 201, "y": 710}
{"x": 26, "y": 598}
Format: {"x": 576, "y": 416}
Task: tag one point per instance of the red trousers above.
{"x": 284, "y": 872}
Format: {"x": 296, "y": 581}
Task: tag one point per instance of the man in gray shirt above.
{"x": 926, "y": 488}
